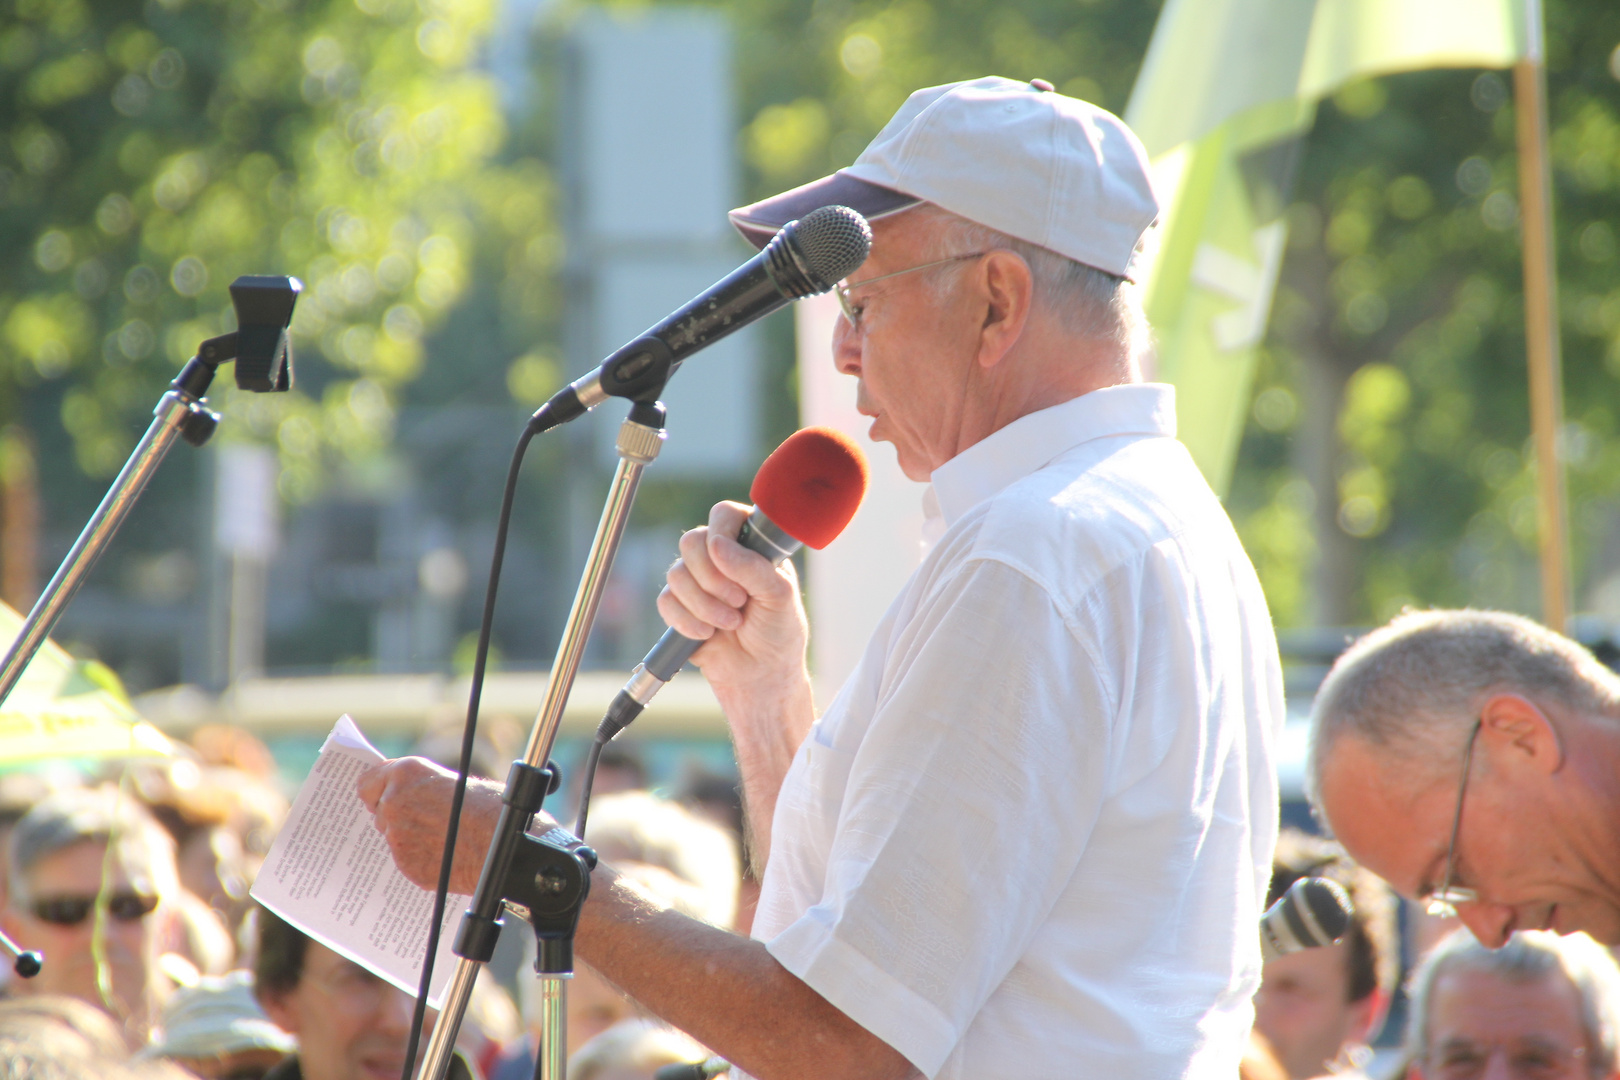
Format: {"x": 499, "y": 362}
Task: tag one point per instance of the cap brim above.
{"x": 763, "y": 220}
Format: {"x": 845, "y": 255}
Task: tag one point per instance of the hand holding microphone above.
{"x": 805, "y": 493}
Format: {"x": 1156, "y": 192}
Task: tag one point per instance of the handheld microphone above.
{"x": 808, "y": 256}
{"x": 28, "y": 963}
{"x": 1313, "y": 912}
{"x": 804, "y": 494}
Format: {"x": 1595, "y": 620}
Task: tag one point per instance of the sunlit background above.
{"x": 482, "y": 198}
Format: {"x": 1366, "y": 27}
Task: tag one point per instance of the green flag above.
{"x": 67, "y": 708}
{"x": 1227, "y": 91}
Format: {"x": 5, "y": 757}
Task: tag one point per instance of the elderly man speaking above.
{"x": 1031, "y": 835}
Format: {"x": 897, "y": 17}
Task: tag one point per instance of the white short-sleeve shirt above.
{"x": 1031, "y": 836}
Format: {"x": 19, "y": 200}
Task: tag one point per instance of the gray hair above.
{"x": 1090, "y": 303}
{"x": 101, "y": 815}
{"x": 1417, "y": 683}
{"x": 1528, "y": 956}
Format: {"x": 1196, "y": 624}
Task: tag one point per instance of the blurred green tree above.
{"x": 153, "y": 151}
{"x": 1387, "y": 460}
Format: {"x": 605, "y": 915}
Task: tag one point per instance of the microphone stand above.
{"x": 547, "y": 878}
{"x": 264, "y": 307}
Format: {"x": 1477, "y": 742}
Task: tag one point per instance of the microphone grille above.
{"x": 1328, "y": 904}
{"x": 812, "y": 485}
{"x": 829, "y": 244}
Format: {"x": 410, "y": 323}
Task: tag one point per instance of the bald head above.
{"x": 1413, "y": 688}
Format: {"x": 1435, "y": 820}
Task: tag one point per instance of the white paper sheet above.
{"x": 329, "y": 874}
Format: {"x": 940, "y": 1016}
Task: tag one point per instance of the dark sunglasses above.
{"x": 125, "y": 907}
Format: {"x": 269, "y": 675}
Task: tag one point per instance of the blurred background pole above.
{"x": 245, "y": 526}
{"x": 1541, "y": 321}
{"x": 19, "y": 519}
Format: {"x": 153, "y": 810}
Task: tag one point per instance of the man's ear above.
{"x": 279, "y": 1008}
{"x": 1517, "y": 728}
{"x": 1008, "y": 289}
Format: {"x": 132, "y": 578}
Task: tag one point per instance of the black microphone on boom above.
{"x": 1314, "y": 912}
{"x": 808, "y": 256}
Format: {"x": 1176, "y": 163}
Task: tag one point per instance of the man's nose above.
{"x": 395, "y": 1010}
{"x": 1497, "y": 1066}
{"x": 1491, "y": 924}
{"x": 846, "y": 345}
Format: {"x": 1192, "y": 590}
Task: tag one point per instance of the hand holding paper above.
{"x": 331, "y": 875}
{"x": 410, "y": 799}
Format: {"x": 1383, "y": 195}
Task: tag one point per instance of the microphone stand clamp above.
{"x": 543, "y": 879}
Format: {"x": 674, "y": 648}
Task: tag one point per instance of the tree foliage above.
{"x": 1388, "y": 459}
{"x": 154, "y": 151}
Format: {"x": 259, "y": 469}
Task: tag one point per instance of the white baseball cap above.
{"x": 1016, "y": 156}
{"x": 214, "y": 1017}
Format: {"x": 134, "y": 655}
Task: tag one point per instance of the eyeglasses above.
{"x": 1442, "y": 903}
{"x": 1532, "y": 1059}
{"x": 852, "y": 311}
{"x": 350, "y": 987}
{"x": 124, "y": 907}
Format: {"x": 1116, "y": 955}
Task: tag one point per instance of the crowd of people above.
{"x": 135, "y": 887}
{"x": 1543, "y": 1006}
{"x": 133, "y": 884}
{"x": 160, "y": 966}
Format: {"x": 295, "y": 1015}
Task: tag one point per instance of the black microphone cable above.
{"x": 539, "y": 422}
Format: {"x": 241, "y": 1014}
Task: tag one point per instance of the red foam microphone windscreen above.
{"x": 812, "y": 485}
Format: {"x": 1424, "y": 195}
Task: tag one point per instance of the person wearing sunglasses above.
{"x": 1032, "y": 833}
{"x": 1472, "y": 760}
{"x": 1542, "y": 1007}
{"x": 89, "y": 872}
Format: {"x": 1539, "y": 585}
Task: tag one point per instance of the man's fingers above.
{"x": 372, "y": 783}
{"x": 726, "y": 518}
{"x": 750, "y": 570}
{"x": 701, "y": 603}
{"x": 410, "y": 798}
{"x": 695, "y": 558}
{"x": 682, "y": 621}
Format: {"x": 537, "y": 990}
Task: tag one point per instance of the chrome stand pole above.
{"x": 178, "y": 413}
{"x": 551, "y": 1059}
{"x": 640, "y": 438}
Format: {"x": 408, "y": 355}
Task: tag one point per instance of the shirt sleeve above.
{"x": 962, "y": 810}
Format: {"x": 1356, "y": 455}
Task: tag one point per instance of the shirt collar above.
{"x": 1032, "y": 442}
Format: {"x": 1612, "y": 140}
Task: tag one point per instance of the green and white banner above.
{"x": 1227, "y": 91}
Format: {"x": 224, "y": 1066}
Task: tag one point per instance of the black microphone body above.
{"x": 1313, "y": 913}
{"x": 664, "y": 660}
{"x": 807, "y": 257}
